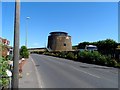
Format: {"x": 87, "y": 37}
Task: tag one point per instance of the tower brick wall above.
{"x": 59, "y": 41}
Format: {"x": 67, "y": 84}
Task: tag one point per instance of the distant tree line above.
{"x": 107, "y": 47}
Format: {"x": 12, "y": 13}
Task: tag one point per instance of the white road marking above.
{"x": 38, "y": 77}
{"x": 79, "y": 70}
{"x": 85, "y": 72}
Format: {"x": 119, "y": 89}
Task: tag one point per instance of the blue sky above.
{"x": 83, "y": 21}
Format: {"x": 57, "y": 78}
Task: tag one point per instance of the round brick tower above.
{"x": 59, "y": 41}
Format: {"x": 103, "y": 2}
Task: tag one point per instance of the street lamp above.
{"x": 27, "y": 18}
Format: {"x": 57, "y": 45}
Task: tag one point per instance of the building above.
{"x": 4, "y": 50}
{"x": 59, "y": 41}
{"x": 4, "y": 41}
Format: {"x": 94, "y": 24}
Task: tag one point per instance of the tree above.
{"x": 107, "y": 46}
{"x": 83, "y": 44}
{"x": 117, "y": 53}
{"x": 24, "y": 52}
{"x": 74, "y": 47}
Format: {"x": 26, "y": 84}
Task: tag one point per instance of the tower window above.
{"x": 64, "y": 44}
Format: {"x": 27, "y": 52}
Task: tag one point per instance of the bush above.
{"x": 3, "y": 67}
{"x": 86, "y": 56}
{"x": 92, "y": 57}
{"x": 62, "y": 54}
{"x": 70, "y": 55}
{"x": 75, "y": 57}
{"x": 41, "y": 52}
{"x": 112, "y": 63}
{"x": 102, "y": 60}
{"x": 118, "y": 65}
{"x": 24, "y": 52}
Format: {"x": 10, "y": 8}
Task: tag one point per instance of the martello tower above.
{"x": 59, "y": 41}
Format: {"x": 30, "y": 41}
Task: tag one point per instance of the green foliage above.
{"x": 3, "y": 67}
{"x": 93, "y": 57}
{"x": 96, "y": 58}
{"x": 112, "y": 63}
{"x": 82, "y": 45}
{"x": 62, "y": 54}
{"x": 118, "y": 65}
{"x": 24, "y": 52}
{"x": 70, "y": 55}
{"x": 107, "y": 46}
{"x": 102, "y": 60}
{"x": 74, "y": 47}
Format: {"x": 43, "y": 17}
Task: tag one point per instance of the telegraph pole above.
{"x": 15, "y": 79}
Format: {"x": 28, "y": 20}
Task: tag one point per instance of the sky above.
{"x": 83, "y": 21}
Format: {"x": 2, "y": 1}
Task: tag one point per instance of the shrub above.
{"x": 118, "y": 65}
{"x": 41, "y": 52}
{"x": 62, "y": 54}
{"x": 112, "y": 63}
{"x": 102, "y": 60}
{"x": 24, "y": 52}
{"x": 70, "y": 55}
{"x": 80, "y": 56}
{"x": 85, "y": 56}
{"x": 92, "y": 57}
{"x": 3, "y": 67}
{"x": 46, "y": 53}
{"x": 75, "y": 57}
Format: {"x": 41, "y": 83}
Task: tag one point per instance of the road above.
{"x": 56, "y": 72}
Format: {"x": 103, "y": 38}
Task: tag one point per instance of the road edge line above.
{"x": 38, "y": 77}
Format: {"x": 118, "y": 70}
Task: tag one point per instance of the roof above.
{"x": 58, "y": 33}
{"x": 91, "y": 46}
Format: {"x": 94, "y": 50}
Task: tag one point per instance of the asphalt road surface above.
{"x": 56, "y": 72}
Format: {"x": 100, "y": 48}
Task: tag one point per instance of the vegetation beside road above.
{"x": 4, "y": 79}
{"x": 4, "y": 65}
{"x": 107, "y": 55}
{"x": 87, "y": 57}
{"x": 105, "y": 47}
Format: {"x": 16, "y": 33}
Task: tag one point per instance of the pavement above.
{"x": 29, "y": 77}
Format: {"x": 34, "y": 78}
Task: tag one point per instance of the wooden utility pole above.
{"x": 15, "y": 79}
